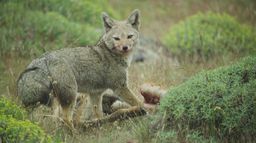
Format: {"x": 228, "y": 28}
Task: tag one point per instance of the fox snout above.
{"x": 123, "y": 48}
{"x": 123, "y": 43}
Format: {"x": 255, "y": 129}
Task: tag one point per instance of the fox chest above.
{"x": 115, "y": 78}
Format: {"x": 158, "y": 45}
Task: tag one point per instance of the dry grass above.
{"x": 164, "y": 72}
{"x": 115, "y": 132}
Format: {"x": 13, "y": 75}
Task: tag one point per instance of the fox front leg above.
{"x": 128, "y": 96}
{"x": 94, "y": 107}
{"x": 97, "y": 106}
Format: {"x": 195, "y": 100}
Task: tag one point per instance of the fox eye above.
{"x": 116, "y": 38}
{"x": 129, "y": 36}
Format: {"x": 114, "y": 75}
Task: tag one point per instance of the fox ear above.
{"x": 108, "y": 22}
{"x": 134, "y": 19}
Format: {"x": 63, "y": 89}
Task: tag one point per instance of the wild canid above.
{"x": 91, "y": 70}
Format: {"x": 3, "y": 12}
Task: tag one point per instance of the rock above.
{"x": 149, "y": 50}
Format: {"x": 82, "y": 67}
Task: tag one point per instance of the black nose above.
{"x": 125, "y": 48}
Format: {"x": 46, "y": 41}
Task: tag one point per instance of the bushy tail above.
{"x": 33, "y": 86}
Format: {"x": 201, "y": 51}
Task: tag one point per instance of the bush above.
{"x": 204, "y": 36}
{"x": 172, "y": 136}
{"x": 15, "y": 128}
{"x": 168, "y": 137}
{"x": 14, "y": 131}
{"x": 10, "y": 109}
{"x": 32, "y": 27}
{"x": 81, "y": 11}
{"x": 220, "y": 103}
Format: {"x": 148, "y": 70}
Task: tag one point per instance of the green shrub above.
{"x": 14, "y": 131}
{"x": 15, "y": 128}
{"x": 167, "y": 137}
{"x": 49, "y": 34}
{"x": 220, "y": 103}
{"x": 172, "y": 136}
{"x": 31, "y": 27}
{"x": 85, "y": 11}
{"x": 196, "y": 137}
{"x": 207, "y": 35}
{"x": 10, "y": 109}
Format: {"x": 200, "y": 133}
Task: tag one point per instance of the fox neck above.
{"x": 123, "y": 60}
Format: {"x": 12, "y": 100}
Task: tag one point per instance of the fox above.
{"x": 90, "y": 70}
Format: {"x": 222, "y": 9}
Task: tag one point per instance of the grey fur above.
{"x": 90, "y": 70}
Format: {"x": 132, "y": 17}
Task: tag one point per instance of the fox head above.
{"x": 121, "y": 36}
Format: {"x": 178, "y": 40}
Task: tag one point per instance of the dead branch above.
{"x": 121, "y": 114}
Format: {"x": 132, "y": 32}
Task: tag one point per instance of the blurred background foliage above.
{"x": 204, "y": 36}
{"x": 32, "y": 27}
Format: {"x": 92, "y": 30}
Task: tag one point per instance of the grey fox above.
{"x": 91, "y": 70}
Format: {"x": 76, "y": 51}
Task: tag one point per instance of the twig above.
{"x": 121, "y": 114}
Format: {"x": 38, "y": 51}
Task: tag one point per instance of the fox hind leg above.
{"x": 64, "y": 87}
